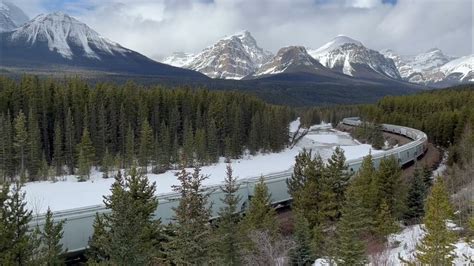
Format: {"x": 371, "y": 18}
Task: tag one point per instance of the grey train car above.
{"x": 78, "y": 225}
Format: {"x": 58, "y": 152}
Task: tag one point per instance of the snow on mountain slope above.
{"x": 462, "y": 67}
{"x": 64, "y": 34}
{"x": 352, "y": 58}
{"x": 290, "y": 59}
{"x": 178, "y": 59}
{"x": 232, "y": 57}
{"x": 11, "y": 16}
{"x": 432, "y": 67}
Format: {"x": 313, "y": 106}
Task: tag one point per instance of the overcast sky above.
{"x": 157, "y": 28}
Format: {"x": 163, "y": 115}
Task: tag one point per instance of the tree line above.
{"x": 51, "y": 127}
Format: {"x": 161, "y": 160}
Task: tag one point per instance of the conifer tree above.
{"x": 338, "y": 179}
{"x": 227, "y": 237}
{"x": 200, "y": 146}
{"x": 298, "y": 178}
{"x": 96, "y": 252}
{"x": 384, "y": 221}
{"x": 51, "y": 249}
{"x": 301, "y": 254}
{"x": 107, "y": 163}
{"x": 191, "y": 241}
{"x": 58, "y": 152}
{"x": 6, "y": 148}
{"x": 129, "y": 147}
{"x": 350, "y": 246}
{"x": 164, "y": 148}
{"x": 389, "y": 187}
{"x": 212, "y": 142}
{"x": 188, "y": 145}
{"x": 260, "y": 214}
{"x": 69, "y": 141}
{"x": 128, "y": 229}
{"x": 21, "y": 142}
{"x": 416, "y": 197}
{"x": 86, "y": 155}
{"x": 18, "y": 243}
{"x": 34, "y": 145}
{"x": 146, "y": 145}
{"x": 437, "y": 247}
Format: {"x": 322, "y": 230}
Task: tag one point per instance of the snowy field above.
{"x": 68, "y": 193}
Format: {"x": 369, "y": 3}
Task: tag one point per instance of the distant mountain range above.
{"x": 57, "y": 42}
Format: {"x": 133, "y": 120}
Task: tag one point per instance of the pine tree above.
{"x": 190, "y": 244}
{"x": 302, "y": 253}
{"x": 384, "y": 221}
{"x": 337, "y": 179}
{"x": 388, "y": 186}
{"x": 18, "y": 247}
{"x": 298, "y": 179}
{"x": 146, "y": 145}
{"x": 6, "y": 148}
{"x": 129, "y": 147}
{"x": 188, "y": 145}
{"x": 437, "y": 247}
{"x": 96, "y": 251}
{"x": 354, "y": 222}
{"x": 416, "y": 197}
{"x": 69, "y": 141}
{"x": 86, "y": 155}
{"x": 107, "y": 163}
{"x": 129, "y": 229}
{"x": 260, "y": 214}
{"x": 34, "y": 145}
{"x": 227, "y": 237}
{"x": 164, "y": 148}
{"x": 212, "y": 142}
{"x": 200, "y": 146}
{"x": 58, "y": 152}
{"x": 21, "y": 142}
{"x": 51, "y": 249}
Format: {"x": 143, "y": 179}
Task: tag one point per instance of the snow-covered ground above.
{"x": 68, "y": 193}
{"x": 404, "y": 244}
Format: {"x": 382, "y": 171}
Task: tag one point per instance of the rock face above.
{"x": 58, "y": 39}
{"x": 11, "y": 16}
{"x": 350, "y": 57}
{"x": 178, "y": 59}
{"x": 291, "y": 59}
{"x": 232, "y": 57}
{"x": 433, "y": 67}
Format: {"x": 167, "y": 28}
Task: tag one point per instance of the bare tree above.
{"x": 268, "y": 250}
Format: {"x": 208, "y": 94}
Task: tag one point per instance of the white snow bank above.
{"x": 404, "y": 244}
{"x": 295, "y": 125}
{"x": 70, "y": 194}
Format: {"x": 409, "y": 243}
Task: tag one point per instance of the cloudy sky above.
{"x": 157, "y": 28}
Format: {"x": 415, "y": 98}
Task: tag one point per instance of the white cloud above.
{"x": 157, "y": 28}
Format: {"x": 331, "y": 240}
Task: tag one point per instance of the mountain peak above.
{"x": 337, "y": 42}
{"x": 65, "y": 34}
{"x": 11, "y": 16}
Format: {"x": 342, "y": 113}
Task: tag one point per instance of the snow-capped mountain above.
{"x": 461, "y": 69}
{"x": 290, "y": 59}
{"x": 432, "y": 67}
{"x": 11, "y": 16}
{"x": 352, "y": 58}
{"x": 178, "y": 59}
{"x": 232, "y": 57}
{"x": 422, "y": 68}
{"x": 59, "y": 39}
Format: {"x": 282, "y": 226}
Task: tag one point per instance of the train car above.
{"x": 78, "y": 226}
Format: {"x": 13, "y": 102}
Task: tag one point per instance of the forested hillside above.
{"x": 51, "y": 127}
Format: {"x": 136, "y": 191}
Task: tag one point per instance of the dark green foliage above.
{"x": 86, "y": 155}
{"x": 50, "y": 249}
{"x": 301, "y": 254}
{"x": 370, "y": 133}
{"x": 196, "y": 122}
{"x": 416, "y": 197}
{"x": 17, "y": 243}
{"x": 191, "y": 242}
{"x": 389, "y": 187}
{"x": 227, "y": 238}
{"x": 127, "y": 235}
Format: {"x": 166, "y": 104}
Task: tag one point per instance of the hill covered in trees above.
{"x": 50, "y": 127}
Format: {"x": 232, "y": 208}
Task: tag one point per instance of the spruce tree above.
{"x": 98, "y": 242}
{"x": 130, "y": 231}
{"x": 260, "y": 214}
{"x": 384, "y": 221}
{"x": 21, "y": 142}
{"x": 51, "y": 249}
{"x": 58, "y": 151}
{"x": 146, "y": 145}
{"x": 18, "y": 242}
{"x": 416, "y": 197}
{"x": 389, "y": 187}
{"x": 69, "y": 141}
{"x": 107, "y": 163}
{"x": 350, "y": 246}
{"x": 34, "y": 146}
{"x": 190, "y": 244}
{"x": 86, "y": 155}
{"x": 302, "y": 252}
{"x": 7, "y": 166}
{"x": 437, "y": 247}
{"x": 129, "y": 156}
{"x": 337, "y": 179}
{"x": 212, "y": 142}
{"x": 227, "y": 237}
